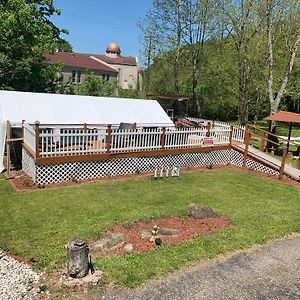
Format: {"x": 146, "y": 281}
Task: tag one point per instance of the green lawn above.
{"x": 281, "y": 128}
{"x": 41, "y": 222}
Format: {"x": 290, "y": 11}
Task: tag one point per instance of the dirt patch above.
{"x": 188, "y": 228}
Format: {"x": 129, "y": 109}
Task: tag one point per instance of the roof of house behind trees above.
{"x": 78, "y": 60}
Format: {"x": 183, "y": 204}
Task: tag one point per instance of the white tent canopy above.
{"x": 58, "y": 109}
{"x": 71, "y": 109}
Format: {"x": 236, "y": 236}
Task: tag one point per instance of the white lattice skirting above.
{"x": 70, "y": 171}
{"x": 28, "y": 165}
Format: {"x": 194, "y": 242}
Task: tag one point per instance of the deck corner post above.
{"x": 23, "y": 129}
{"x": 8, "y": 147}
{"x": 37, "y": 139}
{"x": 246, "y": 140}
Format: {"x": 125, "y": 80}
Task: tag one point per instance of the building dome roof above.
{"x": 113, "y": 48}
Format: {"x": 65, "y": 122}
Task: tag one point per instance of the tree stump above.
{"x": 78, "y": 259}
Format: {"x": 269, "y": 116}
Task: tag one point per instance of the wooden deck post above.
{"x": 262, "y": 144}
{"x": 246, "y": 141}
{"x": 208, "y": 127}
{"x": 8, "y": 136}
{"x": 230, "y": 135}
{"x": 163, "y": 138}
{"x": 246, "y": 133}
{"x": 37, "y": 139}
{"x": 289, "y": 136}
{"x": 23, "y": 124}
{"x": 283, "y": 162}
{"x": 85, "y": 128}
{"x": 108, "y": 141}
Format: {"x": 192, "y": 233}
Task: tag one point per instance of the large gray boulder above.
{"x": 200, "y": 212}
{"x": 110, "y": 241}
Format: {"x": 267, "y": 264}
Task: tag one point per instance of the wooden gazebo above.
{"x": 286, "y": 117}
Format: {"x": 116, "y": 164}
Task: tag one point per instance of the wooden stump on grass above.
{"x": 78, "y": 259}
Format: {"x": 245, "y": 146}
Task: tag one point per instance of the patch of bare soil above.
{"x": 188, "y": 229}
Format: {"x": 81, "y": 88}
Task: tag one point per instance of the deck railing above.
{"x": 29, "y": 137}
{"x": 212, "y": 122}
{"x": 57, "y": 141}
{"x": 71, "y": 141}
{"x": 238, "y": 134}
{"x": 129, "y": 140}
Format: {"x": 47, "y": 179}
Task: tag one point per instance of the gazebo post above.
{"x": 289, "y": 136}
{"x": 269, "y": 130}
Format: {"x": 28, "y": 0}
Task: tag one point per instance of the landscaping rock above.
{"x": 162, "y": 231}
{"x": 201, "y": 212}
{"x": 128, "y": 248}
{"x": 167, "y": 231}
{"x": 109, "y": 242}
{"x": 146, "y": 233}
{"x": 90, "y": 279}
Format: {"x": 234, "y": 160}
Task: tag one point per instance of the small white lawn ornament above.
{"x": 175, "y": 171}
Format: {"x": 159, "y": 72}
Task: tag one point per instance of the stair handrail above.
{"x": 272, "y": 134}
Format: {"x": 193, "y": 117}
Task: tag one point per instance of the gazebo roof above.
{"x": 284, "y": 116}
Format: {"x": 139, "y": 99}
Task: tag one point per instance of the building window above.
{"x": 105, "y": 77}
{"x": 78, "y": 77}
{"x": 73, "y": 76}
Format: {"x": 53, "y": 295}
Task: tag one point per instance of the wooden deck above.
{"x": 269, "y": 160}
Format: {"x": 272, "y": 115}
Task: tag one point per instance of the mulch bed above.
{"x": 22, "y": 182}
{"x": 188, "y": 228}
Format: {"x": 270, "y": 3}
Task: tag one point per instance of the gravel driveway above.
{"x": 268, "y": 272}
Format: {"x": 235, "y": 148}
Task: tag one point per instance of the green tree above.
{"x": 95, "y": 86}
{"x": 282, "y": 19}
{"x": 26, "y": 33}
{"x": 64, "y": 46}
{"x": 129, "y": 93}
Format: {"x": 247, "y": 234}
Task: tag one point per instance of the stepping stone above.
{"x": 201, "y": 212}
{"x": 162, "y": 231}
{"x": 109, "y": 242}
